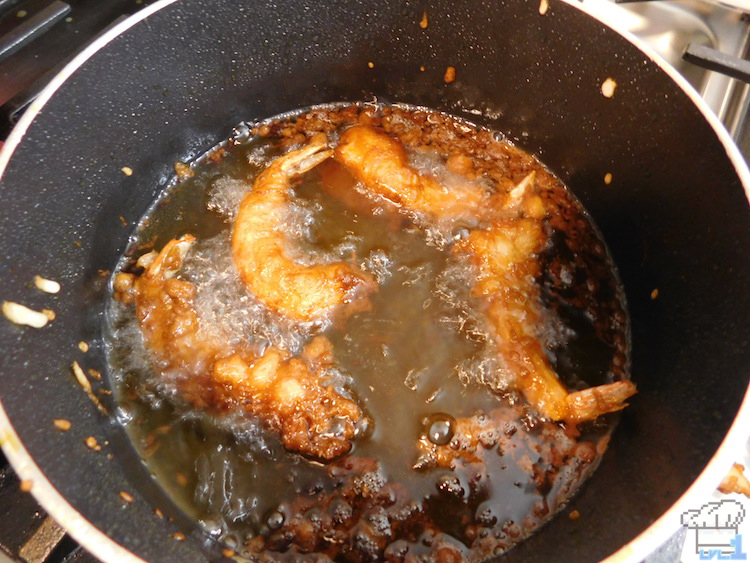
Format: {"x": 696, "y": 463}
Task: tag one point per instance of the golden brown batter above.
{"x": 286, "y": 393}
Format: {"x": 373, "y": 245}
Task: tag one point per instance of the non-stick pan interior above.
{"x": 674, "y": 215}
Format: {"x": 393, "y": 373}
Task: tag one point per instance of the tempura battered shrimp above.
{"x": 259, "y": 242}
{"x": 286, "y": 394}
{"x": 381, "y": 164}
{"x": 506, "y": 255}
{"x": 164, "y": 308}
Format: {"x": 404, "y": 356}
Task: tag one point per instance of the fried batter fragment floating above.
{"x": 286, "y": 394}
{"x": 364, "y": 518}
{"x": 301, "y": 292}
{"x": 382, "y": 165}
{"x": 735, "y": 481}
{"x": 506, "y": 256}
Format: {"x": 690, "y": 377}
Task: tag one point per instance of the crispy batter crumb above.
{"x": 159, "y": 513}
{"x": 574, "y": 515}
{"x": 81, "y": 377}
{"x": 371, "y": 64}
{"x": 543, "y": 6}
{"x": 183, "y": 170}
{"x": 127, "y": 497}
{"x": 217, "y": 155}
{"x": 450, "y": 75}
{"x": 608, "y": 178}
{"x": 127, "y": 170}
{"x": 608, "y": 88}
{"x": 26, "y": 485}
{"x": 228, "y": 553}
{"x": 62, "y": 424}
{"x": 654, "y": 294}
{"x": 49, "y": 313}
{"x": 735, "y": 481}
{"x": 94, "y": 374}
{"x": 22, "y": 315}
{"x": 86, "y": 384}
{"x": 148, "y": 244}
{"x": 181, "y": 479}
{"x": 179, "y": 536}
{"x": 83, "y": 347}
{"x": 123, "y": 221}
{"x": 45, "y": 285}
{"x": 92, "y": 444}
{"x": 103, "y": 273}
{"x": 421, "y": 68}
{"x": 77, "y": 243}
{"x": 423, "y": 22}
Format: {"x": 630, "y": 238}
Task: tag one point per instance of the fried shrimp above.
{"x": 382, "y": 165}
{"x": 505, "y": 253}
{"x": 301, "y": 292}
{"x": 506, "y": 256}
{"x": 286, "y": 394}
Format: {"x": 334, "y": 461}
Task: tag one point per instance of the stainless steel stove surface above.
{"x": 669, "y": 27}
{"x": 26, "y": 533}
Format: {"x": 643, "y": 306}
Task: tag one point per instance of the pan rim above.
{"x": 54, "y": 503}
{"x": 653, "y": 537}
{"x": 105, "y": 548}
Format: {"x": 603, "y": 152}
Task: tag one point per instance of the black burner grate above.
{"x": 27, "y": 534}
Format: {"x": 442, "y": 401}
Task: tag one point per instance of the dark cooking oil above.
{"x": 416, "y": 362}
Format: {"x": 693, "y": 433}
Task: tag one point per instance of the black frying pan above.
{"x": 173, "y": 81}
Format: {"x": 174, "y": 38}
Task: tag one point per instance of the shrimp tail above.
{"x": 168, "y": 262}
{"x": 308, "y": 157}
{"x": 602, "y": 399}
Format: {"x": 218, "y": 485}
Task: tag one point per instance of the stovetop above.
{"x": 25, "y": 72}
{"x": 37, "y": 37}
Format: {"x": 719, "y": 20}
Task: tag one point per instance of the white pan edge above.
{"x": 56, "y": 505}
